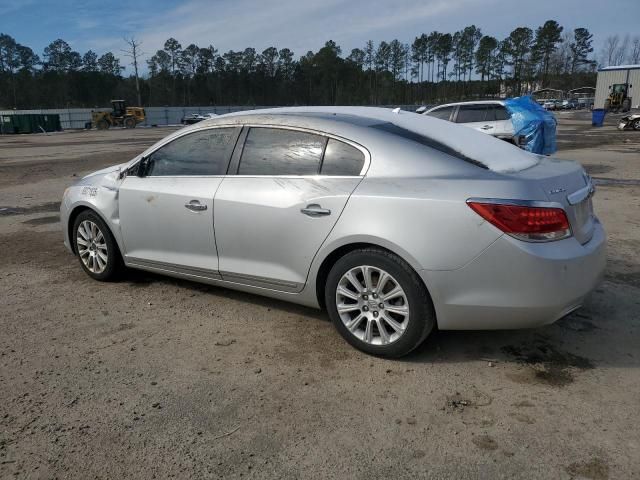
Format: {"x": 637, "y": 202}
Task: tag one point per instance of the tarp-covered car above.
{"x": 520, "y": 120}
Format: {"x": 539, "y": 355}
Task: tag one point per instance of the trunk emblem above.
{"x": 557, "y": 190}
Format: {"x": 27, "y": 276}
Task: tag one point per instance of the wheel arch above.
{"x": 340, "y": 251}
{"x": 73, "y": 214}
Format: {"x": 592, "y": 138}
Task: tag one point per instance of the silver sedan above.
{"x": 393, "y": 222}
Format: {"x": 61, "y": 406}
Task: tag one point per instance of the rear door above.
{"x": 166, "y": 212}
{"x": 499, "y": 117}
{"x": 274, "y": 214}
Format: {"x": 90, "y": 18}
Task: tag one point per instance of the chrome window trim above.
{"x": 365, "y": 152}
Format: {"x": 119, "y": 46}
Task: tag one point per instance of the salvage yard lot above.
{"x": 154, "y": 377}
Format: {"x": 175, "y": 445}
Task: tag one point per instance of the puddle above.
{"x": 42, "y": 220}
{"x": 45, "y": 207}
{"x": 548, "y": 364}
{"x": 615, "y": 181}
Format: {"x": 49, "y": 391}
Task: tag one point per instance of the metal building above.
{"x": 610, "y": 76}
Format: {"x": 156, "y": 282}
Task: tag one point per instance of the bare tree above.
{"x": 621, "y": 52}
{"x": 634, "y": 53}
{"x": 133, "y": 52}
{"x": 610, "y": 49}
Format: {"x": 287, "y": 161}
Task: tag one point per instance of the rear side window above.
{"x": 205, "y": 152}
{"x": 272, "y": 151}
{"x": 443, "y": 113}
{"x": 341, "y": 159}
{"x": 472, "y": 113}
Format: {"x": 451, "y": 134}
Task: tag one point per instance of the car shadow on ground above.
{"x": 580, "y": 341}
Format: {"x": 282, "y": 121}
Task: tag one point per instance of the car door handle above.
{"x": 487, "y": 127}
{"x": 195, "y": 206}
{"x": 315, "y": 210}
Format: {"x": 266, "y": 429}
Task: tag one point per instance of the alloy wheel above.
{"x": 92, "y": 247}
{"x": 372, "y": 305}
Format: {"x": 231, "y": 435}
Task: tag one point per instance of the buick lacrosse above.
{"x": 393, "y": 222}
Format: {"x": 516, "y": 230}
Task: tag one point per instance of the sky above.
{"x": 300, "y": 25}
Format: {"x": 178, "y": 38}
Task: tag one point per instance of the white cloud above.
{"x": 299, "y": 25}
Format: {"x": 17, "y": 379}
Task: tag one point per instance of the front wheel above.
{"x": 636, "y": 124}
{"x": 130, "y": 122}
{"x": 378, "y": 303}
{"x": 96, "y": 248}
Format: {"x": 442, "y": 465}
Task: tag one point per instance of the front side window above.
{"x": 471, "y": 113}
{"x": 205, "y": 152}
{"x": 443, "y": 113}
{"x": 342, "y": 159}
{"x": 273, "y": 151}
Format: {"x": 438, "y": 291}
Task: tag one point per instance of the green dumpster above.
{"x": 29, "y": 123}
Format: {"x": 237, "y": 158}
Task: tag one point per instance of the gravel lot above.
{"x": 153, "y": 377}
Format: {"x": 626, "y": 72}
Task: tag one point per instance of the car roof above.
{"x": 353, "y": 123}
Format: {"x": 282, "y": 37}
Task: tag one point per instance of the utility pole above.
{"x": 133, "y": 52}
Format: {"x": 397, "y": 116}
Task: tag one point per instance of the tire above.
{"x": 636, "y": 124}
{"x": 626, "y": 105}
{"x": 93, "y": 242}
{"x": 130, "y": 122}
{"x": 102, "y": 125}
{"x": 389, "y": 328}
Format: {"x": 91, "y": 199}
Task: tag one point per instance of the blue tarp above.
{"x": 533, "y": 122}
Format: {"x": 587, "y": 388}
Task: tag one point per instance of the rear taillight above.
{"x": 528, "y": 223}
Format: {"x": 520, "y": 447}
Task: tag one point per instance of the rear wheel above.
{"x": 636, "y": 124}
{"x": 96, "y": 248}
{"x": 102, "y": 124}
{"x": 626, "y": 105}
{"x": 130, "y": 122}
{"x": 378, "y": 303}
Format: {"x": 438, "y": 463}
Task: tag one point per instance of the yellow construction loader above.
{"x": 119, "y": 116}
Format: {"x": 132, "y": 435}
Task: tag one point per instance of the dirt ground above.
{"x": 153, "y": 377}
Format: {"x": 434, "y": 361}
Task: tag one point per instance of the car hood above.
{"x": 107, "y": 177}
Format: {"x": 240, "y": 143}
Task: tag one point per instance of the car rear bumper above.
{"x": 514, "y": 284}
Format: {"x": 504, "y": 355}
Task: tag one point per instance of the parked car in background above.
{"x": 487, "y": 116}
{"x": 629, "y": 122}
{"x": 569, "y": 104}
{"x": 392, "y": 221}
{"x": 196, "y": 117}
{"x": 551, "y": 104}
{"x": 586, "y": 102}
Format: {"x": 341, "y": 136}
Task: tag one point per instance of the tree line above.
{"x": 435, "y": 67}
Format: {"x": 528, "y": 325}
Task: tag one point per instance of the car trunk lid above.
{"x": 566, "y": 183}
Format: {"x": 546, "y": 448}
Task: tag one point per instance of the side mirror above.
{"x": 143, "y": 167}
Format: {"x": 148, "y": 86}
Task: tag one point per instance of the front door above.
{"x": 272, "y": 217}
{"x": 166, "y": 212}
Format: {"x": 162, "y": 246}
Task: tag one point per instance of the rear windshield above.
{"x": 426, "y": 141}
